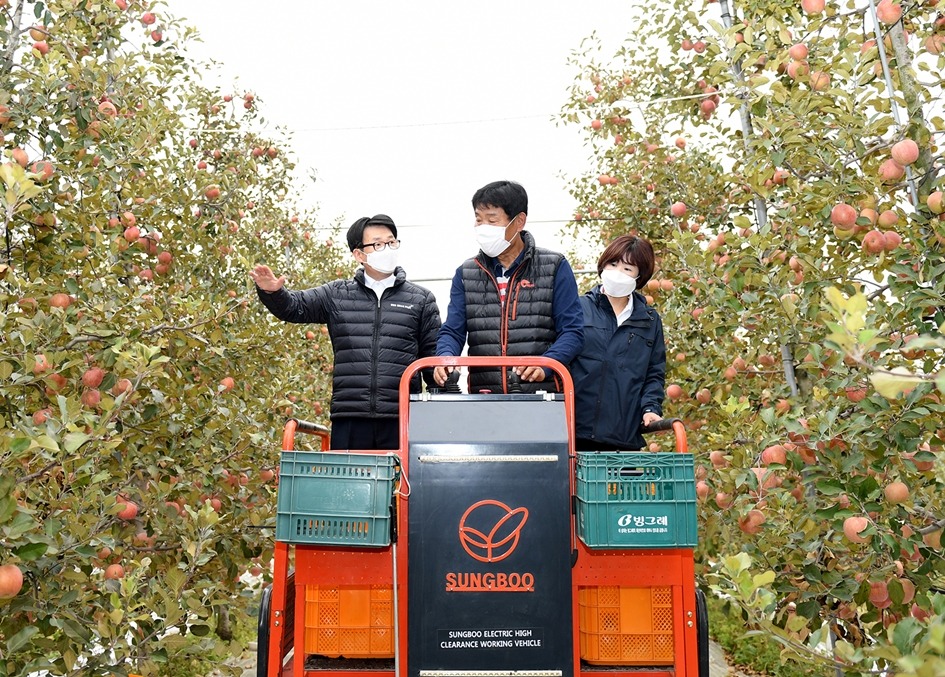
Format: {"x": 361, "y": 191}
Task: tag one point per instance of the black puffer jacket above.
{"x": 374, "y": 341}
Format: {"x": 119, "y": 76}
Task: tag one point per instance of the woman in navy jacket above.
{"x": 620, "y": 374}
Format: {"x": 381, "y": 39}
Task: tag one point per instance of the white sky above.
{"x": 407, "y": 108}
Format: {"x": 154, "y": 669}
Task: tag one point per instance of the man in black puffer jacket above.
{"x": 378, "y": 323}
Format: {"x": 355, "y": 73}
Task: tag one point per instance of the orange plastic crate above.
{"x": 626, "y": 626}
{"x": 349, "y": 621}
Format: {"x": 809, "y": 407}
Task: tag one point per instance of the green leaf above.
{"x": 21, "y": 523}
{"x": 809, "y": 609}
{"x": 175, "y": 579}
{"x": 904, "y": 634}
{"x": 31, "y": 551}
{"x": 7, "y": 507}
{"x": 200, "y": 630}
{"x": 46, "y": 442}
{"x": 21, "y": 639}
{"x": 73, "y": 441}
{"x": 764, "y": 579}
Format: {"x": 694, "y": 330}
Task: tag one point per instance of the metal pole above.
{"x": 761, "y": 207}
{"x": 884, "y": 60}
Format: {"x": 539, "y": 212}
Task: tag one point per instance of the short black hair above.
{"x": 356, "y": 231}
{"x": 507, "y": 195}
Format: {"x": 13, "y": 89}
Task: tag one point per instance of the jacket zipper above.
{"x": 600, "y": 386}
{"x": 375, "y": 340}
{"x": 503, "y": 322}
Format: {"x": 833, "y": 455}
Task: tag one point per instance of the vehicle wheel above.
{"x": 262, "y": 633}
{"x": 702, "y": 633}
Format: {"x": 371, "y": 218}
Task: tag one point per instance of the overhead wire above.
{"x": 624, "y": 103}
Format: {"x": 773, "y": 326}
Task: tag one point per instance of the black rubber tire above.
{"x": 702, "y": 633}
{"x": 262, "y": 633}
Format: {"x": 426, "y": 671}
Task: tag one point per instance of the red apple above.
{"x": 891, "y": 240}
{"x": 888, "y": 12}
{"x": 888, "y": 219}
{"x": 20, "y": 157}
{"x": 819, "y": 81}
{"x": 934, "y": 202}
{"x": 879, "y": 594}
{"x": 60, "y": 300}
{"x": 44, "y": 168}
{"x": 813, "y": 6}
{"x": 890, "y": 170}
{"x": 843, "y": 216}
{"x": 702, "y": 490}
{"x": 896, "y": 492}
{"x": 855, "y": 393}
{"x": 798, "y": 69}
{"x": 122, "y": 385}
{"x": 11, "y": 581}
{"x": 91, "y": 398}
{"x": 776, "y": 453}
{"x": 92, "y": 378}
{"x": 751, "y": 522}
{"x": 718, "y": 459}
{"x": 852, "y": 526}
{"x": 935, "y": 44}
{"x": 798, "y": 52}
{"x": 874, "y": 242}
{"x": 129, "y": 512}
{"x": 114, "y": 571}
{"x": 905, "y": 152}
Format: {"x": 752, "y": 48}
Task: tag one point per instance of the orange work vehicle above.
{"x": 485, "y": 546}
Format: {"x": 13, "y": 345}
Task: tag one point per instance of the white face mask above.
{"x": 617, "y": 284}
{"x": 384, "y": 261}
{"x": 491, "y": 239}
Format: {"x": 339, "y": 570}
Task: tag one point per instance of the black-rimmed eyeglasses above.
{"x": 380, "y": 246}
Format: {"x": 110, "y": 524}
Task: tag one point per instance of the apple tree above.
{"x": 142, "y": 386}
{"x": 785, "y": 160}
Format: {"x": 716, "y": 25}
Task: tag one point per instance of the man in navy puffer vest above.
{"x": 514, "y": 298}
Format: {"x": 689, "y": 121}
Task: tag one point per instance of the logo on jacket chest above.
{"x": 404, "y": 306}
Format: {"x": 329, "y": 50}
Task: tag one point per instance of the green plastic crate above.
{"x": 330, "y": 498}
{"x": 636, "y": 500}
